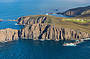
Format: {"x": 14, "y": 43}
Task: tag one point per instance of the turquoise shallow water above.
{"x": 29, "y": 49}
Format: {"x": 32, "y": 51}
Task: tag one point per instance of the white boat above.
{"x": 69, "y": 44}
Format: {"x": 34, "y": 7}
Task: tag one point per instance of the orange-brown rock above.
{"x": 46, "y": 28}
{"x": 8, "y": 35}
{"x": 46, "y": 31}
{"x": 31, "y": 19}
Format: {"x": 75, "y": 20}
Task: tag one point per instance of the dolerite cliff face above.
{"x": 76, "y": 11}
{"x": 43, "y": 27}
{"x": 8, "y": 35}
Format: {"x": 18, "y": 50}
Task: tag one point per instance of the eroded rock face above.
{"x": 8, "y": 35}
{"x": 46, "y": 31}
{"x": 31, "y": 20}
{"x": 38, "y": 28}
{"x": 76, "y": 11}
{"x": 44, "y": 28}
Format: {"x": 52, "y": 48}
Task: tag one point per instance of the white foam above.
{"x": 16, "y": 24}
{"x": 46, "y": 13}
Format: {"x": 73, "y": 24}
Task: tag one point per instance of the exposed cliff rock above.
{"x": 76, "y": 11}
{"x": 86, "y": 12}
{"x": 54, "y": 29}
{"x": 31, "y": 20}
{"x": 46, "y": 31}
{"x": 38, "y": 19}
{"x": 8, "y": 35}
{"x": 85, "y": 15}
{"x": 46, "y": 28}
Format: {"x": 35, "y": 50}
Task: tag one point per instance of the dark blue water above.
{"x": 10, "y": 24}
{"x": 12, "y": 9}
{"x": 29, "y": 49}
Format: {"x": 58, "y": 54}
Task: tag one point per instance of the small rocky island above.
{"x": 46, "y": 27}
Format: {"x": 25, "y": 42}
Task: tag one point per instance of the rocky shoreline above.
{"x": 42, "y": 27}
{"x": 8, "y": 35}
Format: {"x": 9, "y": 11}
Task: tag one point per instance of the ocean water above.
{"x": 30, "y": 49}
{"x": 10, "y": 24}
{"x": 12, "y": 9}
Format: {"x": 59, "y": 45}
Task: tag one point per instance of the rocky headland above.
{"x": 8, "y": 35}
{"x": 43, "y": 27}
{"x": 46, "y": 27}
{"x": 77, "y": 11}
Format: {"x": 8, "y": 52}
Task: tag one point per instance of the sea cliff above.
{"x": 47, "y": 31}
{"x": 42, "y": 27}
{"x": 8, "y": 35}
{"x": 77, "y": 11}
{"x": 49, "y": 27}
